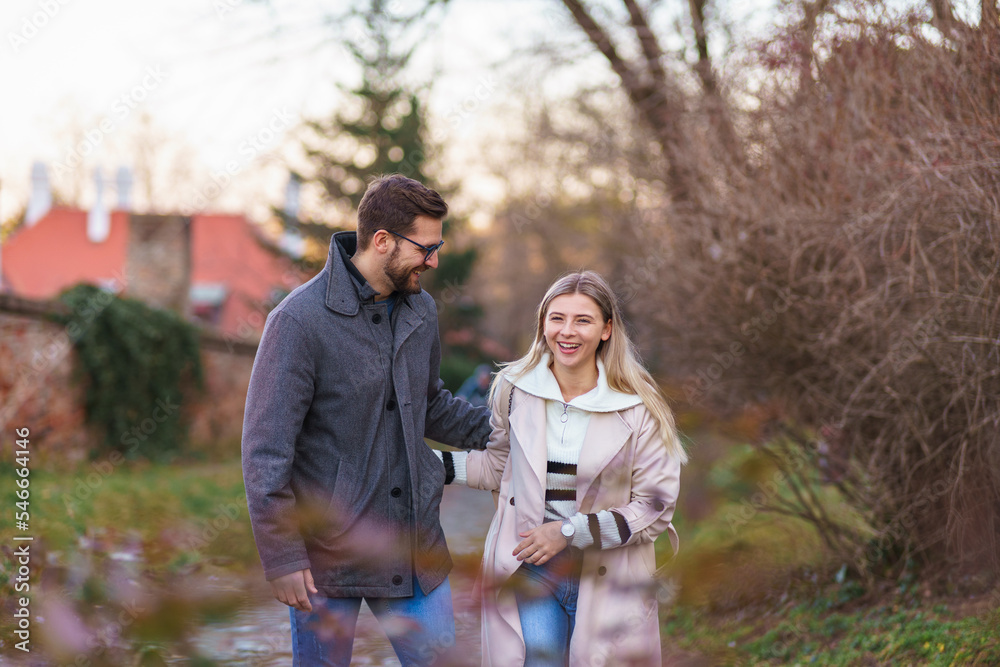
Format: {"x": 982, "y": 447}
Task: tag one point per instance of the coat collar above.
{"x": 607, "y": 433}
{"x": 346, "y": 288}
{"x": 607, "y": 430}
{"x": 540, "y": 382}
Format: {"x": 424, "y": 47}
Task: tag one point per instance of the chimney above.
{"x": 98, "y": 218}
{"x": 291, "y": 242}
{"x": 158, "y": 261}
{"x": 40, "y": 200}
{"x": 123, "y": 184}
{"x": 292, "y": 197}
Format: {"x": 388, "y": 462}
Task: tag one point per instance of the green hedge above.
{"x": 136, "y": 364}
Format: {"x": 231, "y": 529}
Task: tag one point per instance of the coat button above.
{"x": 602, "y": 570}
{"x": 396, "y": 492}
{"x": 390, "y": 406}
{"x": 376, "y": 318}
{"x": 512, "y": 500}
{"x": 397, "y": 580}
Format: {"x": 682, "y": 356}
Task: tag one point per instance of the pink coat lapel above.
{"x": 607, "y": 433}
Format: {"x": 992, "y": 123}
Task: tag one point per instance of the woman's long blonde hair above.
{"x": 624, "y": 371}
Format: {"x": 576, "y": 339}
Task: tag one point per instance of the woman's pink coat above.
{"x": 623, "y": 466}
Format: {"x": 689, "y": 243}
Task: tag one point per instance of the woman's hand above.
{"x": 541, "y": 544}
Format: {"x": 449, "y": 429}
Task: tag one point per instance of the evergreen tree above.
{"x": 381, "y": 132}
{"x": 384, "y": 129}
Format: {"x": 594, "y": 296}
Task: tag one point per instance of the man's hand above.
{"x": 541, "y": 543}
{"x": 291, "y": 589}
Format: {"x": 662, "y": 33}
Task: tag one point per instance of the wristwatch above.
{"x": 568, "y": 530}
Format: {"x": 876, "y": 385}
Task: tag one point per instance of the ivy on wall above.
{"x": 137, "y": 364}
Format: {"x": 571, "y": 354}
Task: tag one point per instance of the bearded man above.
{"x": 343, "y": 492}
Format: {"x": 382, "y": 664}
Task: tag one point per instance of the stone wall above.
{"x": 216, "y": 417}
{"x": 38, "y": 391}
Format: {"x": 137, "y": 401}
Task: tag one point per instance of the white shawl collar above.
{"x": 540, "y": 382}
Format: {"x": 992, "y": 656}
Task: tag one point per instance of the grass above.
{"x": 821, "y": 632}
{"x": 137, "y": 548}
{"x": 761, "y": 590}
{"x": 172, "y": 513}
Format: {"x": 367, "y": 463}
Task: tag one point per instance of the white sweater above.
{"x": 565, "y": 429}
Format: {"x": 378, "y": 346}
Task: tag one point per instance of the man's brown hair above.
{"x": 392, "y": 202}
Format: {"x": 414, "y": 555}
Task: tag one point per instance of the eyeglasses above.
{"x": 429, "y": 249}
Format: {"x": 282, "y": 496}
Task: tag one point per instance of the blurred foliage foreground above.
{"x": 127, "y": 562}
{"x": 132, "y": 567}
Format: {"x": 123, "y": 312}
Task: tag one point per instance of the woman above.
{"x": 586, "y": 459}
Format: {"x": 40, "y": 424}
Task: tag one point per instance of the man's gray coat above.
{"x": 338, "y": 476}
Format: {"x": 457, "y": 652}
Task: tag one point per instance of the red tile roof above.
{"x": 225, "y": 249}
{"x": 42, "y": 260}
{"x": 53, "y": 254}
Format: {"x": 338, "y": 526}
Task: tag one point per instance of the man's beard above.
{"x": 401, "y": 277}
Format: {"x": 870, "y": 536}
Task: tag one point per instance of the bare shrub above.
{"x": 830, "y": 251}
{"x": 851, "y": 273}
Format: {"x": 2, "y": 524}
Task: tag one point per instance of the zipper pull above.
{"x": 565, "y": 417}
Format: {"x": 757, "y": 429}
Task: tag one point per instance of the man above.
{"x": 476, "y": 388}
{"x": 343, "y": 492}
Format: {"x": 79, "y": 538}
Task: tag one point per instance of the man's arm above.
{"x": 452, "y": 420}
{"x": 280, "y": 392}
{"x": 483, "y": 469}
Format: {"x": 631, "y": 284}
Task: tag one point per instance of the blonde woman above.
{"x": 586, "y": 459}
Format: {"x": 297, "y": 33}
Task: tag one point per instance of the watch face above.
{"x": 568, "y": 530}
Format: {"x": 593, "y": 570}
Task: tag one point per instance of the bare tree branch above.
{"x": 944, "y": 17}
{"x": 811, "y": 13}
{"x": 647, "y": 40}
{"x": 989, "y": 17}
{"x": 714, "y": 103}
{"x": 704, "y": 67}
{"x": 653, "y": 99}
{"x": 602, "y": 40}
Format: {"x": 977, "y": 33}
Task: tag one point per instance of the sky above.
{"x": 216, "y": 75}
{"x": 227, "y": 80}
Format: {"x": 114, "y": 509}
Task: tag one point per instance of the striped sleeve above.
{"x": 604, "y": 530}
{"x": 454, "y": 466}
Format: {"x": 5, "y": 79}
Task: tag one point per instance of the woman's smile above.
{"x": 574, "y": 329}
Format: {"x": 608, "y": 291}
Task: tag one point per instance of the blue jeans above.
{"x": 420, "y": 628}
{"x": 546, "y": 604}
